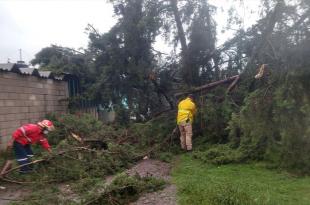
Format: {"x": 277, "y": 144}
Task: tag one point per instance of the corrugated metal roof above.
{"x": 9, "y": 67}
{"x": 46, "y": 74}
{"x": 6, "y": 66}
{"x": 25, "y": 70}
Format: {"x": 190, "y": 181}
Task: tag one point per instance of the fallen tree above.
{"x": 204, "y": 88}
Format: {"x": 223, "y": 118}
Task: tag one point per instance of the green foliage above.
{"x": 155, "y": 130}
{"x": 199, "y": 16}
{"x": 122, "y": 190}
{"x": 244, "y": 184}
{"x": 81, "y": 172}
{"x": 215, "y": 114}
{"x": 229, "y": 194}
{"x": 274, "y": 123}
{"x": 271, "y": 125}
{"x": 125, "y": 189}
{"x": 220, "y": 154}
{"x": 84, "y": 125}
{"x": 292, "y": 116}
{"x": 61, "y": 60}
{"x": 81, "y": 164}
{"x": 93, "y": 162}
{"x": 166, "y": 156}
{"x": 122, "y": 116}
{"x": 124, "y": 58}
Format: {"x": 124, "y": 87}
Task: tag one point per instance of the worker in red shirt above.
{"x": 28, "y": 134}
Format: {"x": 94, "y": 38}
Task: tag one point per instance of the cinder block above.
{"x": 38, "y": 115}
{"x": 51, "y": 92}
{"x": 20, "y": 116}
{"x": 37, "y": 109}
{"x": 15, "y": 89}
{"x": 14, "y": 82}
{"x": 33, "y": 109}
{"x": 4, "y": 141}
{"x": 10, "y": 103}
{"x": 7, "y": 110}
{"x": 50, "y": 108}
{"x": 22, "y": 122}
{"x": 38, "y": 103}
{"x": 32, "y": 79}
{"x": 48, "y": 86}
{"x": 23, "y": 109}
{"x": 10, "y": 75}
{"x": 2, "y": 132}
{"x": 50, "y": 97}
{"x": 40, "y": 97}
{"x": 4, "y": 95}
{"x": 14, "y": 96}
{"x": 3, "y": 89}
{"x": 7, "y": 124}
{"x": 9, "y": 131}
{"x": 50, "y": 81}
{"x": 10, "y": 117}
{"x": 2, "y": 118}
{"x": 23, "y": 96}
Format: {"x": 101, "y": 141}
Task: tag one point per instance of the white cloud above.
{"x": 33, "y": 24}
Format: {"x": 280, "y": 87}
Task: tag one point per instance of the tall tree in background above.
{"x": 199, "y": 59}
{"x": 124, "y": 58}
{"x": 66, "y": 60}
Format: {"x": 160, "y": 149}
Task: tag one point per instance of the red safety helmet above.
{"x": 47, "y": 124}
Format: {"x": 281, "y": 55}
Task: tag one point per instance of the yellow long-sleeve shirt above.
{"x": 186, "y": 110}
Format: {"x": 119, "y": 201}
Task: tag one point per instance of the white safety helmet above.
{"x": 47, "y": 124}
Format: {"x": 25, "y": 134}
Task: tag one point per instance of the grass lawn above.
{"x": 204, "y": 184}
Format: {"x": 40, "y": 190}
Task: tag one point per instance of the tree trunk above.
{"x": 209, "y": 86}
{"x": 273, "y": 19}
{"x": 174, "y": 6}
{"x": 214, "y": 56}
{"x": 185, "y": 69}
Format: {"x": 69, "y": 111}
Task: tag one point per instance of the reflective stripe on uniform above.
{"x": 24, "y": 133}
{"x": 184, "y": 111}
{"x": 23, "y": 159}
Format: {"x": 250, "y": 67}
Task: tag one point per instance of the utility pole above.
{"x": 20, "y": 55}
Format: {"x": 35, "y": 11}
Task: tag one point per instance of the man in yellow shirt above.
{"x": 186, "y": 112}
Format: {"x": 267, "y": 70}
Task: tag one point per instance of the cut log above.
{"x": 45, "y": 159}
{"x": 207, "y": 86}
{"x": 233, "y": 84}
{"x": 76, "y": 137}
{"x": 7, "y": 166}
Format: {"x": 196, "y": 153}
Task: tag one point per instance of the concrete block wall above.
{"x": 27, "y": 99}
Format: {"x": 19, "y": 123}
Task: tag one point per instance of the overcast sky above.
{"x": 35, "y": 24}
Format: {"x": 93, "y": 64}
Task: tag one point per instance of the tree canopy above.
{"x": 264, "y": 117}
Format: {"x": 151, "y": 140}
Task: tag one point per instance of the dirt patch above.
{"x": 11, "y": 192}
{"x": 67, "y": 194}
{"x": 160, "y": 170}
{"x": 165, "y": 197}
{"x": 149, "y": 167}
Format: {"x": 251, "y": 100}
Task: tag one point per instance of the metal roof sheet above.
{"x": 46, "y": 74}
{"x": 25, "y": 70}
{"x": 6, "y": 66}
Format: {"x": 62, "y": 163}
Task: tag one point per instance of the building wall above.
{"x": 27, "y": 99}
